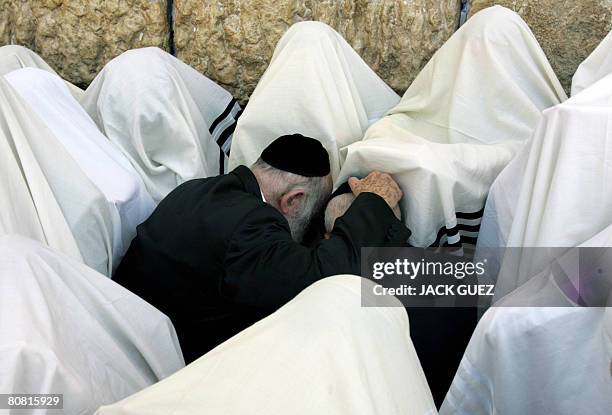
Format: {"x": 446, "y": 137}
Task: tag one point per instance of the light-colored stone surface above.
{"x": 77, "y": 37}
{"x": 567, "y": 30}
{"x": 232, "y": 41}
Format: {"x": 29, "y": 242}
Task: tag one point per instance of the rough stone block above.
{"x": 231, "y": 41}
{"x": 567, "y": 30}
{"x": 77, "y": 37}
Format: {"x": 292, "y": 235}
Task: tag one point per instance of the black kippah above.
{"x": 297, "y": 154}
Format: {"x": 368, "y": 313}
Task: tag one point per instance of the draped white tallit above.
{"x": 170, "y": 121}
{"x": 532, "y": 352}
{"x": 98, "y": 158}
{"x": 315, "y": 85}
{"x": 501, "y": 202}
{"x": 45, "y": 194}
{"x": 67, "y": 329}
{"x": 13, "y": 57}
{"x": 458, "y": 125}
{"x": 321, "y": 353}
{"x": 460, "y": 122}
{"x": 553, "y": 194}
{"x": 564, "y": 196}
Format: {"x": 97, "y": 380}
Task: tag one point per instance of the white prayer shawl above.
{"x": 596, "y": 66}
{"x": 459, "y": 124}
{"x": 98, "y": 158}
{"x": 170, "y": 121}
{"x": 564, "y": 196}
{"x": 53, "y": 179}
{"x": 498, "y": 215}
{"x": 524, "y": 358}
{"x": 546, "y": 289}
{"x": 316, "y": 85}
{"x": 13, "y": 57}
{"x": 504, "y": 194}
{"x": 29, "y": 206}
{"x": 67, "y": 329}
{"x": 501, "y": 201}
{"x": 322, "y": 353}
{"x": 535, "y": 361}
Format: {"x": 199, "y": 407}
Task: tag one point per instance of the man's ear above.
{"x": 291, "y": 201}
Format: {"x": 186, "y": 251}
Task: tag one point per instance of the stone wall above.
{"x": 77, "y": 37}
{"x": 567, "y": 30}
{"x": 232, "y": 41}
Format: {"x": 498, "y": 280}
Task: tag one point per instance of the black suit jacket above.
{"x": 215, "y": 258}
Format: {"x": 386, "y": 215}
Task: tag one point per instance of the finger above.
{"x": 394, "y": 185}
{"x": 389, "y": 178}
{"x": 397, "y": 188}
{"x": 354, "y": 184}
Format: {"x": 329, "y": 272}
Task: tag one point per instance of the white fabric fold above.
{"x": 563, "y": 197}
{"x": 459, "y": 124}
{"x": 67, "y": 329}
{"x": 24, "y": 189}
{"x": 159, "y": 112}
{"x": 501, "y": 202}
{"x": 13, "y": 57}
{"x": 315, "y": 85}
{"x": 503, "y": 198}
{"x": 595, "y": 67}
{"x": 527, "y": 358}
{"x": 534, "y": 361}
{"x": 44, "y": 190}
{"x": 322, "y": 353}
{"x": 98, "y": 158}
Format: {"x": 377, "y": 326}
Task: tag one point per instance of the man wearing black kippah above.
{"x": 220, "y": 253}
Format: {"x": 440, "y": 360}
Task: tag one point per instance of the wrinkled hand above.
{"x": 379, "y": 183}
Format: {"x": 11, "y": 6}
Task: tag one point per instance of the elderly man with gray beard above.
{"x": 220, "y": 253}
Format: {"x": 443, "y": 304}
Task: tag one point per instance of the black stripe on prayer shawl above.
{"x": 226, "y": 123}
{"x": 455, "y": 230}
{"x": 468, "y": 215}
{"x": 226, "y": 138}
{"x": 470, "y": 240}
{"x": 224, "y": 131}
{"x": 222, "y": 154}
{"x": 462, "y": 233}
{"x": 458, "y": 239}
{"x": 224, "y": 114}
{"x": 228, "y": 131}
{"x": 453, "y": 245}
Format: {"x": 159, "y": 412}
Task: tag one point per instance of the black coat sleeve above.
{"x": 265, "y": 268}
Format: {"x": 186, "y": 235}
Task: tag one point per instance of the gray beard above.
{"x": 298, "y": 226}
